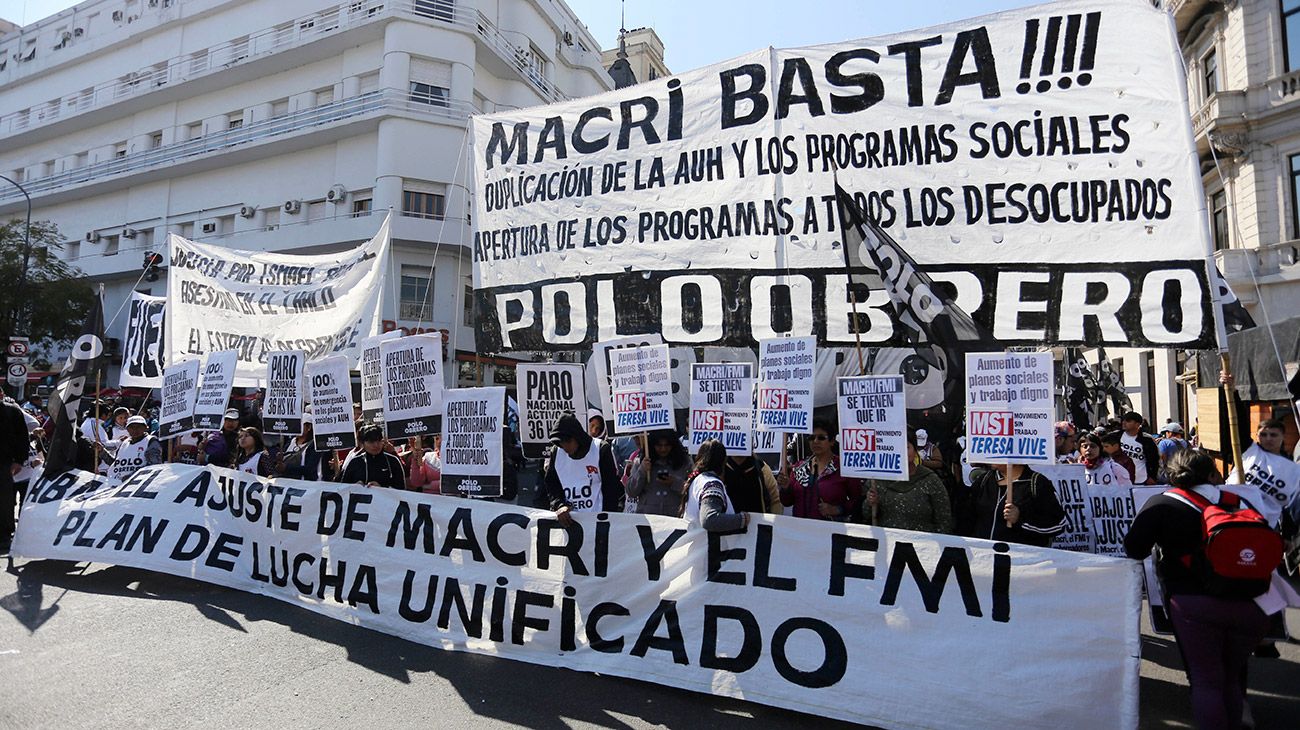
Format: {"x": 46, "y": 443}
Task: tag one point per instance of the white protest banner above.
{"x": 180, "y": 387}
{"x": 1000, "y": 152}
{"x": 412, "y": 368}
{"x": 332, "y": 426}
{"x": 143, "y": 350}
{"x": 372, "y": 377}
{"x": 1112, "y": 511}
{"x": 214, "y": 393}
{"x": 645, "y": 596}
{"x": 547, "y": 391}
{"x": 640, "y": 389}
{"x": 873, "y": 426}
{"x": 722, "y": 406}
{"x": 786, "y": 366}
{"x": 1072, "y": 492}
{"x": 256, "y": 303}
{"x": 472, "y": 441}
{"x": 1010, "y": 403}
{"x": 285, "y": 392}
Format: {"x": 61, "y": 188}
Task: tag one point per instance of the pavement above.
{"x": 90, "y": 645}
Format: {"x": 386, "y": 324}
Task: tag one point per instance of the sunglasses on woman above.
{"x": 821, "y": 437}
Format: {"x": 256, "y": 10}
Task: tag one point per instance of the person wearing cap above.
{"x": 1067, "y": 443}
{"x": 928, "y": 451}
{"x": 372, "y": 465}
{"x": 581, "y": 475}
{"x": 1171, "y": 442}
{"x": 220, "y": 445}
{"x": 98, "y": 438}
{"x": 1140, "y": 447}
{"x": 136, "y": 450}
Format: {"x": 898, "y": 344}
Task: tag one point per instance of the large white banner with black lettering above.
{"x": 256, "y": 303}
{"x": 143, "y": 350}
{"x": 1037, "y": 164}
{"x": 836, "y": 620}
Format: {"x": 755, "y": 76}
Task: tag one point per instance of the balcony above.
{"x": 1270, "y": 264}
{"x": 1223, "y": 113}
{"x": 249, "y": 49}
{"x": 167, "y": 157}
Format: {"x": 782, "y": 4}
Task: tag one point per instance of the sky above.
{"x": 700, "y": 32}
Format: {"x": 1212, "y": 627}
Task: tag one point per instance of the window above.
{"x": 361, "y": 207}
{"x": 1291, "y": 34}
{"x": 415, "y": 294}
{"x": 1210, "y": 74}
{"x": 1149, "y": 403}
{"x": 423, "y": 205}
{"x": 155, "y": 140}
{"x": 1295, "y": 195}
{"x": 428, "y": 94}
{"x": 468, "y": 306}
{"x": 1219, "y": 220}
{"x": 235, "y": 123}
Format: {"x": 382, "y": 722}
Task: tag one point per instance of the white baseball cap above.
{"x": 922, "y": 437}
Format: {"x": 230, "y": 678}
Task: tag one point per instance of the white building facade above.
{"x": 276, "y": 125}
{"x": 1243, "y": 84}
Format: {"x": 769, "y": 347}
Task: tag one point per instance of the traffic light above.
{"x": 151, "y": 263}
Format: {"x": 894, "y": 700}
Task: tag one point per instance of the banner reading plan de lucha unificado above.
{"x": 1038, "y": 162}
{"x": 824, "y": 618}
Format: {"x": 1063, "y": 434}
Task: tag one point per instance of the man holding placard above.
{"x": 581, "y": 475}
{"x": 1009, "y": 408}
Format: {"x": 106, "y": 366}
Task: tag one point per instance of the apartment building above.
{"x": 277, "y": 125}
{"x": 1243, "y": 84}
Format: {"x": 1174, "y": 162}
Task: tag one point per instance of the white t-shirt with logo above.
{"x": 1272, "y": 483}
{"x": 130, "y": 458}
{"x": 1130, "y": 446}
{"x": 581, "y": 478}
{"x": 702, "y": 484}
{"x": 1108, "y": 473}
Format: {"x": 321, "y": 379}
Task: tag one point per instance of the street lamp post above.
{"x": 12, "y": 314}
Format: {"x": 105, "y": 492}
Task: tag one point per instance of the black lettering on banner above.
{"x": 1020, "y": 304}
{"x": 598, "y": 641}
{"x": 763, "y": 577}
{"x": 952, "y": 560}
{"x": 834, "y": 663}
{"x": 460, "y": 535}
{"x": 470, "y": 616}
{"x": 409, "y": 612}
{"x": 751, "y": 646}
{"x": 520, "y": 620}
{"x": 569, "y": 550}
{"x": 665, "y": 613}
{"x": 500, "y": 554}
{"x": 718, "y": 556}
{"x": 841, "y": 568}
{"x": 654, "y": 554}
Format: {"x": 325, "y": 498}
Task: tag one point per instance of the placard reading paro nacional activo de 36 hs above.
{"x": 1038, "y": 164}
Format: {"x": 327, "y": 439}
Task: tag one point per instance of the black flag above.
{"x": 1079, "y": 387}
{"x": 930, "y": 322}
{"x": 1109, "y": 383}
{"x": 65, "y": 401}
{"x": 1235, "y": 315}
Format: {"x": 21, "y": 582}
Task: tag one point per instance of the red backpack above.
{"x": 1239, "y": 543}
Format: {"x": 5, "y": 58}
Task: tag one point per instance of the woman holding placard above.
{"x": 706, "y": 502}
{"x": 1098, "y": 467}
{"x": 920, "y": 503}
{"x": 250, "y": 455}
{"x": 659, "y": 478}
{"x": 816, "y": 490}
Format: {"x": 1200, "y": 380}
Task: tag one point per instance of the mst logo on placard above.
{"x": 858, "y": 439}
{"x": 633, "y": 409}
{"x": 707, "y": 420}
{"x": 774, "y": 399}
{"x": 992, "y": 432}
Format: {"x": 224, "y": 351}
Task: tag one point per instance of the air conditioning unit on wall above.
{"x": 129, "y": 233}
{"x": 336, "y": 194}
{"x": 92, "y": 237}
{"x": 247, "y": 211}
{"x": 292, "y": 206}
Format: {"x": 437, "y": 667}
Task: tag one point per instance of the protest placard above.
{"x": 597, "y": 370}
{"x": 873, "y": 426}
{"x": 1112, "y": 511}
{"x": 547, "y": 390}
{"x": 330, "y": 382}
{"x": 180, "y": 388}
{"x": 778, "y": 620}
{"x": 1010, "y": 407}
{"x": 412, "y": 368}
{"x": 256, "y": 302}
{"x": 786, "y": 366}
{"x": 214, "y": 392}
{"x": 144, "y": 352}
{"x": 1072, "y": 492}
{"x": 372, "y": 377}
{"x": 472, "y": 441}
{"x": 285, "y": 391}
{"x": 640, "y": 389}
{"x": 722, "y": 406}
